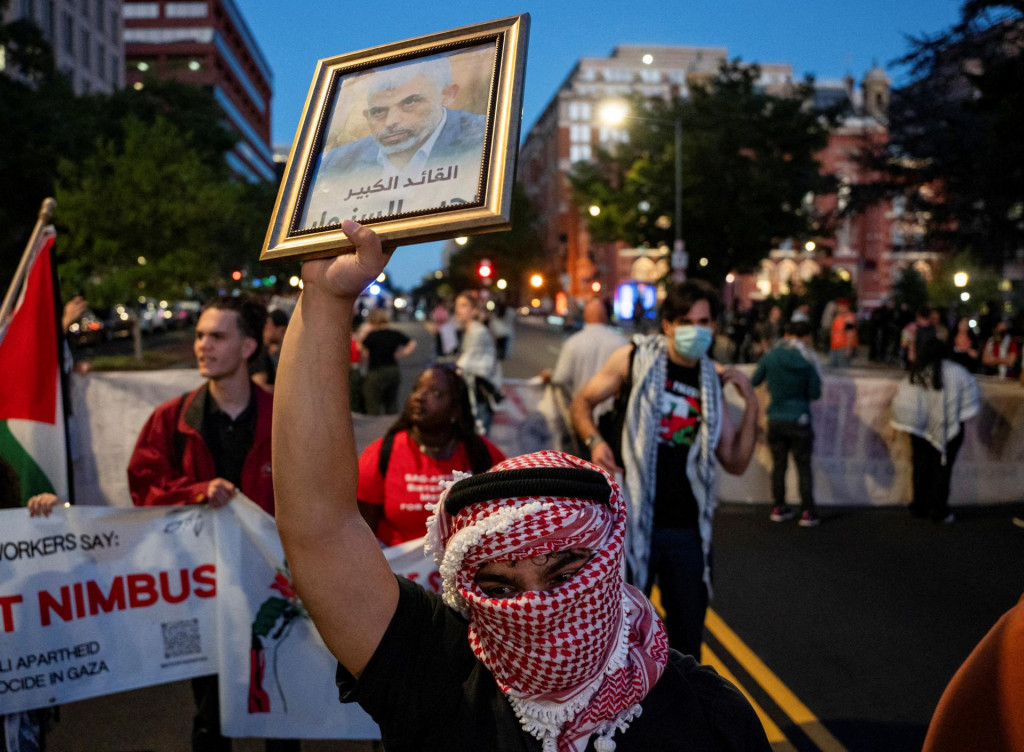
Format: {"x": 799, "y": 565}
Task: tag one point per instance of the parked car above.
{"x": 185, "y": 313}
{"x": 153, "y": 317}
{"x": 119, "y": 321}
{"x": 87, "y": 330}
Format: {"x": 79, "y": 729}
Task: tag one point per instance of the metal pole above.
{"x": 43, "y": 220}
{"x": 679, "y": 185}
{"x": 679, "y": 257}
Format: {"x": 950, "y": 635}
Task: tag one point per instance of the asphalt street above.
{"x": 844, "y": 635}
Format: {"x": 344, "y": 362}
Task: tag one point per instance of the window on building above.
{"x": 28, "y": 9}
{"x": 649, "y": 76}
{"x": 46, "y": 22}
{"x": 579, "y": 134}
{"x": 899, "y": 238}
{"x": 579, "y": 111}
{"x": 618, "y": 75}
{"x": 587, "y": 74}
{"x": 185, "y": 10}
{"x": 68, "y": 32}
{"x": 100, "y": 16}
{"x": 579, "y": 153}
{"x": 141, "y": 10}
{"x": 101, "y": 62}
{"x": 85, "y": 50}
{"x": 114, "y": 63}
{"x": 607, "y": 135}
{"x": 115, "y": 25}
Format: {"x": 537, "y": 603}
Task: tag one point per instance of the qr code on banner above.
{"x": 181, "y": 638}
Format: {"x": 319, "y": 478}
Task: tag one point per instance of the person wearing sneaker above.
{"x": 931, "y": 404}
{"x": 793, "y": 375}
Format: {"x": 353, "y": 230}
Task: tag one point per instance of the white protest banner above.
{"x": 276, "y": 674}
{"x": 96, "y": 600}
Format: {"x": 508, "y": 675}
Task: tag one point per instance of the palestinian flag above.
{"x": 33, "y": 436}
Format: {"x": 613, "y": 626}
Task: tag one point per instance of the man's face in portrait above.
{"x": 401, "y": 119}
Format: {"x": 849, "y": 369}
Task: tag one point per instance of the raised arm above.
{"x": 736, "y": 444}
{"x": 604, "y": 384}
{"x": 338, "y": 568}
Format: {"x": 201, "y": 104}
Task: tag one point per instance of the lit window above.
{"x": 141, "y": 10}
{"x": 579, "y": 153}
{"x": 185, "y": 10}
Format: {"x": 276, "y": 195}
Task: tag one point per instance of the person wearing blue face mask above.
{"x": 676, "y": 433}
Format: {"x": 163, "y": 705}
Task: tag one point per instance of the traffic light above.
{"x": 484, "y": 269}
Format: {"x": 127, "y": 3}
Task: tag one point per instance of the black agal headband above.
{"x": 567, "y": 482}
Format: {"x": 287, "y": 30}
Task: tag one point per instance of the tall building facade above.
{"x": 207, "y": 43}
{"x": 86, "y": 39}
{"x": 868, "y": 247}
{"x": 570, "y": 129}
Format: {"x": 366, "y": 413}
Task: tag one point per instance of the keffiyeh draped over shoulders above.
{"x": 936, "y": 414}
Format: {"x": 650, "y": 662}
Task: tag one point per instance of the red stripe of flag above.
{"x": 28, "y": 352}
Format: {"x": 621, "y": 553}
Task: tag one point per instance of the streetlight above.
{"x": 614, "y": 113}
{"x": 536, "y": 281}
{"x": 960, "y": 279}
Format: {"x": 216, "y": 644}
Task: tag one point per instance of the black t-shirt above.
{"x": 382, "y": 345}
{"x": 426, "y": 690}
{"x": 674, "y": 503}
{"x": 229, "y": 440}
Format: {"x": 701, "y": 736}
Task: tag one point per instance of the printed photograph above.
{"x": 403, "y": 138}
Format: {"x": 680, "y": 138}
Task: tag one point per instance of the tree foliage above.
{"x": 150, "y": 216}
{"x": 136, "y": 173}
{"x": 955, "y": 150}
{"x": 748, "y": 162}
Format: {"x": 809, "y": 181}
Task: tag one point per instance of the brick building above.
{"x": 207, "y": 43}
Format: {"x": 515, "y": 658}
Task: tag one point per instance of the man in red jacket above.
{"x": 204, "y": 446}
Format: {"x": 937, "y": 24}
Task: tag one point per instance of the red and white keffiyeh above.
{"x": 574, "y": 661}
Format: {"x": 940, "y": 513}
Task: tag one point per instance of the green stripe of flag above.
{"x": 26, "y": 477}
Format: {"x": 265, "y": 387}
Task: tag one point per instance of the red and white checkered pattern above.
{"x": 573, "y": 661}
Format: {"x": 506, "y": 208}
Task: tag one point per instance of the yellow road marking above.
{"x": 799, "y": 713}
{"x": 775, "y": 735}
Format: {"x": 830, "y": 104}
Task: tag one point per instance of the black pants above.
{"x": 785, "y": 438}
{"x": 677, "y": 568}
{"x": 206, "y": 736}
{"x": 931, "y": 477}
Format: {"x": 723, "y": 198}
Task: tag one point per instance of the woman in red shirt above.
{"x": 400, "y": 473}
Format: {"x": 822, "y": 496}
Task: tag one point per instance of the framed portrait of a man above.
{"x": 417, "y": 139}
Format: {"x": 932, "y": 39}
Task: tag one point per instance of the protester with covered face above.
{"x": 537, "y": 637}
{"x": 676, "y": 432}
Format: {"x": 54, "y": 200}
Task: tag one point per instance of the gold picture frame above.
{"x": 417, "y": 139}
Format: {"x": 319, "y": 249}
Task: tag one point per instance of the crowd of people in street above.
{"x": 526, "y": 546}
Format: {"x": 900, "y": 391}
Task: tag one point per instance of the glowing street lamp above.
{"x": 594, "y": 210}
{"x": 960, "y": 279}
{"x": 536, "y": 281}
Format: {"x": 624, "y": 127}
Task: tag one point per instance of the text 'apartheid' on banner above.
{"x": 95, "y": 601}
